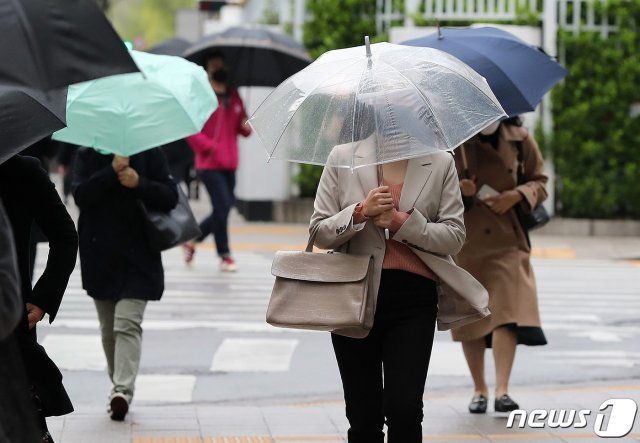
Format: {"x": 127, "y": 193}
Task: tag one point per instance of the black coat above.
{"x": 10, "y": 298}
{"x": 29, "y": 196}
{"x": 115, "y": 256}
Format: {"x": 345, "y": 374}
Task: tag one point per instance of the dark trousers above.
{"x": 220, "y": 186}
{"x": 400, "y": 346}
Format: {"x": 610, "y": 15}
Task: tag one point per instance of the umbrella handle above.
{"x": 465, "y": 163}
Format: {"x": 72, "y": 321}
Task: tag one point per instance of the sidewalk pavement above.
{"x": 446, "y": 419}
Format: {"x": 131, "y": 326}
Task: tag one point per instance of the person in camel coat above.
{"x": 497, "y": 251}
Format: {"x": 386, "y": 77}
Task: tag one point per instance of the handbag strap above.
{"x": 312, "y": 239}
{"x": 520, "y": 180}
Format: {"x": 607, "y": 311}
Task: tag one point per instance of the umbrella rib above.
{"x": 353, "y": 120}
{"x": 28, "y": 32}
{"x": 450, "y": 70}
{"x": 275, "y": 145}
{"x": 497, "y": 66}
{"x": 426, "y": 101}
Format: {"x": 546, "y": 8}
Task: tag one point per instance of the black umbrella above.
{"x": 27, "y": 116}
{"x": 49, "y": 44}
{"x": 174, "y": 46}
{"x": 254, "y": 56}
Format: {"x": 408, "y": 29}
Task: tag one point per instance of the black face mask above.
{"x": 220, "y": 76}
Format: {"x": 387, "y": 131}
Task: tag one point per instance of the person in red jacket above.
{"x": 216, "y": 151}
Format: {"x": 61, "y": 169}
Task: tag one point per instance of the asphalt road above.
{"x": 206, "y": 342}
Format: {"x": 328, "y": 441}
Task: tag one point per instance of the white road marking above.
{"x": 76, "y": 352}
{"x": 253, "y": 355}
{"x": 165, "y": 388}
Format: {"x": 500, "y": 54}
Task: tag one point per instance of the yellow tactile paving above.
{"x": 333, "y": 438}
{"x": 556, "y": 253}
{"x": 600, "y": 388}
{"x": 540, "y": 253}
{"x": 280, "y": 230}
{"x": 258, "y": 247}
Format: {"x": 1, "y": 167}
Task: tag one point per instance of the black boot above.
{"x": 478, "y": 404}
{"x": 505, "y": 404}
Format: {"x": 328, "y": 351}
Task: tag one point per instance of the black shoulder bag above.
{"x": 168, "y": 229}
{"x": 538, "y": 216}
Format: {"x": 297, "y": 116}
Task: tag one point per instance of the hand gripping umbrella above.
{"x": 49, "y": 44}
{"x": 518, "y": 73}
{"x": 130, "y": 113}
{"x": 28, "y": 115}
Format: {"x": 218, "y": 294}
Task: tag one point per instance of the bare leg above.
{"x": 474, "y": 353}
{"x": 504, "y": 343}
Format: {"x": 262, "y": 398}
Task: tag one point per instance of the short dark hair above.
{"x": 513, "y": 121}
{"x": 215, "y": 54}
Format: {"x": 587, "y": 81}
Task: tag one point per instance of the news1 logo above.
{"x": 621, "y": 417}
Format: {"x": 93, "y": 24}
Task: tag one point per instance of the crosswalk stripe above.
{"x": 253, "y": 355}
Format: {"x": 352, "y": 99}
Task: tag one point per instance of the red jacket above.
{"x": 216, "y": 146}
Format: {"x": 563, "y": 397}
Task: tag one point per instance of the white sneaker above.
{"x": 118, "y": 406}
{"x": 228, "y": 264}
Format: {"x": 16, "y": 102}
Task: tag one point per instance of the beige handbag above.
{"x": 322, "y": 291}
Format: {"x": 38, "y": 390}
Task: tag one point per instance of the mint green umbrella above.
{"x": 130, "y": 113}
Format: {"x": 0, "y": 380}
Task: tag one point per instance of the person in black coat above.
{"x": 30, "y": 197}
{"x": 120, "y": 269}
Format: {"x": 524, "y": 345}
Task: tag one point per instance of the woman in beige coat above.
{"x": 497, "y": 251}
{"x": 415, "y": 281}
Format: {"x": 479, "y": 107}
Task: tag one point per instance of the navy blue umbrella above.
{"x": 519, "y": 74}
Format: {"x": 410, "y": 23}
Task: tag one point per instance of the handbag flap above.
{"x": 332, "y": 267}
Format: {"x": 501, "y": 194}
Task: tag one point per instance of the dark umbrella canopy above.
{"x": 27, "y": 116}
{"x": 49, "y": 44}
{"x": 254, "y": 56}
{"x": 174, "y": 46}
{"x": 519, "y": 74}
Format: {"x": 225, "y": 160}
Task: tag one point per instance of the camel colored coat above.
{"x": 496, "y": 251}
{"x": 434, "y": 231}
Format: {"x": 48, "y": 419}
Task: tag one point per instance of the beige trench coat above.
{"x": 434, "y": 230}
{"x": 496, "y": 251}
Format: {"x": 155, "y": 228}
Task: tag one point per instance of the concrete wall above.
{"x": 258, "y": 180}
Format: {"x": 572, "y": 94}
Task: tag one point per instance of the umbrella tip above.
{"x": 440, "y": 37}
{"x": 367, "y": 45}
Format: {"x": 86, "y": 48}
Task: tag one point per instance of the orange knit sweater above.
{"x": 398, "y": 255}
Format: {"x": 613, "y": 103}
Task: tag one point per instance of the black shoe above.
{"x": 118, "y": 407}
{"x": 478, "y": 404}
{"x": 505, "y": 404}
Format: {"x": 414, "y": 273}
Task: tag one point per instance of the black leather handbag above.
{"x": 168, "y": 229}
{"x": 538, "y": 216}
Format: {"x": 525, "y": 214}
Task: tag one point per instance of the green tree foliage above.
{"x": 338, "y": 24}
{"x": 333, "y": 25}
{"x": 153, "y": 20}
{"x": 596, "y": 140}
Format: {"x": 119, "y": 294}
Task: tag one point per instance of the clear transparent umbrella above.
{"x": 413, "y": 101}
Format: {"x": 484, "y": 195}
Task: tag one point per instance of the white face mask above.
{"x": 493, "y": 127}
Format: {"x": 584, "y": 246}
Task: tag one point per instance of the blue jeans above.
{"x": 220, "y": 186}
